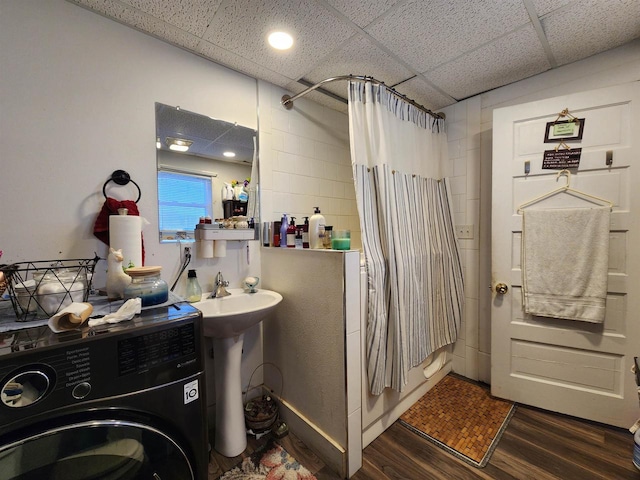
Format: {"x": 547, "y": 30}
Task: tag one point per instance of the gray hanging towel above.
{"x": 565, "y": 259}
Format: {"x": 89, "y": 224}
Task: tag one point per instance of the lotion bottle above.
{"x": 194, "y": 292}
{"x": 316, "y": 225}
{"x": 291, "y": 233}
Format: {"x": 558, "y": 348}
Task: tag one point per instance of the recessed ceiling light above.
{"x": 280, "y": 40}
{"x": 229, "y": 154}
{"x": 178, "y": 144}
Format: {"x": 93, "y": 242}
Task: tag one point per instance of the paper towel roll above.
{"x": 220, "y": 248}
{"x": 204, "y": 248}
{"x": 125, "y": 232}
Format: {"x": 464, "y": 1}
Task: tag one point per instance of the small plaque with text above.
{"x": 561, "y": 159}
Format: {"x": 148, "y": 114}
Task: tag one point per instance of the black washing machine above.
{"x": 123, "y": 401}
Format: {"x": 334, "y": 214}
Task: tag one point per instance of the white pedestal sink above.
{"x": 225, "y": 320}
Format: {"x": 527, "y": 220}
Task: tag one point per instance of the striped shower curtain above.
{"x": 415, "y": 287}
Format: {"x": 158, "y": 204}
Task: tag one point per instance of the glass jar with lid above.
{"x": 147, "y": 285}
{"x": 328, "y": 234}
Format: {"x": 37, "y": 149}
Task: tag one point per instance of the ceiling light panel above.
{"x": 241, "y": 27}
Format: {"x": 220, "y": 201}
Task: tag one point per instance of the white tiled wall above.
{"x": 305, "y": 162}
{"x": 463, "y": 168}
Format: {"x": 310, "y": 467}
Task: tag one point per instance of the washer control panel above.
{"x": 143, "y": 352}
{"x": 56, "y": 374}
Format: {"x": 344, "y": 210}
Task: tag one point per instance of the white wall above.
{"x": 469, "y": 125}
{"x": 77, "y": 95}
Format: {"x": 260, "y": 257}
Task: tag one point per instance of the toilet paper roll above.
{"x": 204, "y": 249}
{"x": 220, "y": 248}
{"x": 125, "y": 232}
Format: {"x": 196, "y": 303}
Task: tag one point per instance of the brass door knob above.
{"x": 501, "y": 288}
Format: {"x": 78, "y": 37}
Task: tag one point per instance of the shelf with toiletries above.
{"x": 214, "y": 232}
{"x": 311, "y": 234}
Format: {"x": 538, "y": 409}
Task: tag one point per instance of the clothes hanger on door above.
{"x": 566, "y": 189}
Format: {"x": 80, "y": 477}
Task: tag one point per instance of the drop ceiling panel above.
{"x": 419, "y": 90}
{"x": 440, "y": 48}
{"x": 192, "y": 16}
{"x": 363, "y": 12}
{"x": 142, "y": 21}
{"x": 543, "y": 7}
{"x": 591, "y": 26}
{"x": 427, "y": 34}
{"x": 240, "y": 64}
{"x": 242, "y": 27}
{"x": 358, "y": 57}
{"x": 509, "y": 59}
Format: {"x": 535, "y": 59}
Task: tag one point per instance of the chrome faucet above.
{"x": 220, "y": 290}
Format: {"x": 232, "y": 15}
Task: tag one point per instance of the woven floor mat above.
{"x": 461, "y": 417}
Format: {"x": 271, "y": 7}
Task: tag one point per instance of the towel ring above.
{"x": 121, "y": 178}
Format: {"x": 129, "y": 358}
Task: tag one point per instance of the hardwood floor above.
{"x": 536, "y": 445}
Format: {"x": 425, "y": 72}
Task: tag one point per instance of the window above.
{"x": 182, "y": 199}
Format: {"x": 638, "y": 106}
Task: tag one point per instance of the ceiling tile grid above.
{"x": 544, "y": 7}
{"x": 436, "y": 52}
{"x": 363, "y": 12}
{"x": 359, "y": 57}
{"x": 192, "y": 16}
{"x": 428, "y": 34}
{"x": 240, "y": 63}
{"x": 591, "y": 26}
{"x": 511, "y": 58}
{"x": 421, "y": 91}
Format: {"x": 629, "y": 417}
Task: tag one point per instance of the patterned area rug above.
{"x": 461, "y": 417}
{"x": 270, "y": 463}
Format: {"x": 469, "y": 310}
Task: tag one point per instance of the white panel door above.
{"x": 567, "y": 366}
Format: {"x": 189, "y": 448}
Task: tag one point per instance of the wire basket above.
{"x": 261, "y": 413}
{"x": 42, "y": 288}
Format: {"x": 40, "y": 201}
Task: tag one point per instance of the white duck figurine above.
{"x": 117, "y": 279}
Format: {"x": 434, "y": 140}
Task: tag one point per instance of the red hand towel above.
{"x": 110, "y": 207}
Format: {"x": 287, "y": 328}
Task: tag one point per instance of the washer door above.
{"x": 97, "y": 449}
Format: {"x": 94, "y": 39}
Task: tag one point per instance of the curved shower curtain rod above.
{"x": 287, "y": 100}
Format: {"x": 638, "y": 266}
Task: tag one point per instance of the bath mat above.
{"x": 270, "y": 463}
{"x": 460, "y": 417}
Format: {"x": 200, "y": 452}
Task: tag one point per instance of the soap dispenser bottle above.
{"x": 291, "y": 233}
{"x": 284, "y": 224}
{"x": 316, "y": 227}
{"x": 194, "y": 292}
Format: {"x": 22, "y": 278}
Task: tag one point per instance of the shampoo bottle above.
{"x": 291, "y": 233}
{"x": 194, "y": 292}
{"x": 316, "y": 225}
{"x": 299, "y": 236}
{"x": 275, "y": 231}
{"x": 283, "y": 230}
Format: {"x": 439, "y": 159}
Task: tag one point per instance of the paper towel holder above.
{"x": 120, "y": 177}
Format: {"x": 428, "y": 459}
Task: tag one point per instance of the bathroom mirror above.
{"x": 205, "y": 169}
